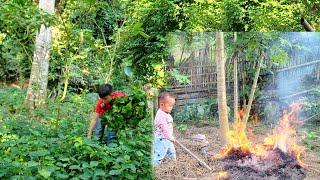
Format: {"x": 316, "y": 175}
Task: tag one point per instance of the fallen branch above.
{"x": 193, "y": 155}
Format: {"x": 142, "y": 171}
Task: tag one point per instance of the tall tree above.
{"x": 221, "y": 86}
{"x": 235, "y": 77}
{"x": 253, "y": 89}
{"x": 36, "y": 93}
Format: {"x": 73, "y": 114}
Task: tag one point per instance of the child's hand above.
{"x": 173, "y": 140}
{"x": 102, "y": 105}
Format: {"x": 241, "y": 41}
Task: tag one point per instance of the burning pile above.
{"x": 277, "y": 158}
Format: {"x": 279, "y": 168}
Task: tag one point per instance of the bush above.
{"x": 127, "y": 111}
{"x": 51, "y": 143}
{"x": 195, "y": 113}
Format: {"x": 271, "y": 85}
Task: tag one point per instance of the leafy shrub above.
{"x": 312, "y": 139}
{"x": 19, "y": 22}
{"x": 127, "y": 111}
{"x": 196, "y": 112}
{"x": 51, "y": 143}
{"x": 310, "y": 104}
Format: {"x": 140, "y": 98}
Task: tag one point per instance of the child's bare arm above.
{"x": 92, "y": 124}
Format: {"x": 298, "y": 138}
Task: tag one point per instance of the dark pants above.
{"x": 104, "y": 135}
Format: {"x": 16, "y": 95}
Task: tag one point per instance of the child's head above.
{"x": 166, "y": 101}
{"x": 105, "y": 91}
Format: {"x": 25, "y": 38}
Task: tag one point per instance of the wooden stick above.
{"x": 306, "y": 25}
{"x": 193, "y": 155}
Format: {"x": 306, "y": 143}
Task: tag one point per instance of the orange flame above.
{"x": 222, "y": 175}
{"x": 283, "y": 137}
{"x": 237, "y": 140}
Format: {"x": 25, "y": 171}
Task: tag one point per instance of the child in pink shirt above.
{"x": 163, "y": 138}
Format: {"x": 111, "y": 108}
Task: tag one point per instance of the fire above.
{"x": 283, "y": 137}
{"x": 222, "y": 175}
{"x": 237, "y": 140}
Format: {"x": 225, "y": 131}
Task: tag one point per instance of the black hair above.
{"x": 105, "y": 90}
{"x": 163, "y": 96}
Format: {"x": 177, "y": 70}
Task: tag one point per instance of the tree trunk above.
{"x": 253, "y": 89}
{"x": 243, "y": 65}
{"x": 221, "y": 86}
{"x": 235, "y": 87}
{"x": 37, "y": 88}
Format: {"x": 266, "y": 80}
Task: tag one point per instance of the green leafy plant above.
{"x": 182, "y": 79}
{"x": 182, "y": 128}
{"x": 194, "y": 113}
{"x": 127, "y": 111}
{"x": 311, "y": 139}
{"x": 51, "y": 143}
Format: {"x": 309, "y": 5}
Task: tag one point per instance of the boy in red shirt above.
{"x": 104, "y": 104}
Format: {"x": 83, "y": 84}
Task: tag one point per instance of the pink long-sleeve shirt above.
{"x": 163, "y": 125}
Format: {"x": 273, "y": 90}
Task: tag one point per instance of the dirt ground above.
{"x": 188, "y": 168}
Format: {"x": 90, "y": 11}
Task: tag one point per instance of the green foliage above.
{"x": 310, "y": 105}
{"x": 312, "y": 138}
{"x": 201, "y": 15}
{"x": 195, "y": 113}
{"x": 252, "y": 15}
{"x": 19, "y": 22}
{"x": 182, "y": 79}
{"x": 95, "y": 40}
{"x": 84, "y": 44}
{"x": 276, "y": 15}
{"x": 51, "y": 143}
{"x": 127, "y": 111}
{"x": 236, "y": 15}
{"x": 279, "y": 56}
{"x": 182, "y": 127}
{"x": 143, "y": 44}
{"x": 277, "y": 49}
